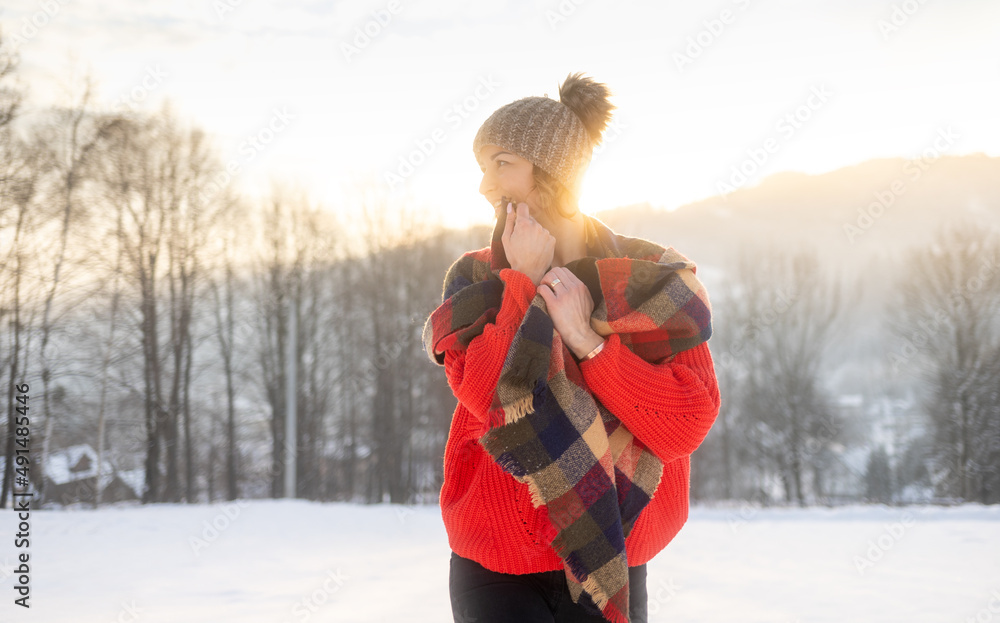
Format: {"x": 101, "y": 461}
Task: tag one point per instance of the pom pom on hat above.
{"x": 589, "y": 100}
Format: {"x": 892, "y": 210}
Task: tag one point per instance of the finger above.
{"x": 508, "y": 227}
{"x": 523, "y": 210}
{"x": 565, "y": 276}
{"x": 546, "y": 293}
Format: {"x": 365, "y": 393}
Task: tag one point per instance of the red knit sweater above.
{"x": 670, "y": 407}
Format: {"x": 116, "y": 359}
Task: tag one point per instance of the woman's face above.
{"x": 505, "y": 173}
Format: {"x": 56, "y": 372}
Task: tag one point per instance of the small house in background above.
{"x": 71, "y": 477}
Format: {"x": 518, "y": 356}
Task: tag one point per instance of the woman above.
{"x": 580, "y": 362}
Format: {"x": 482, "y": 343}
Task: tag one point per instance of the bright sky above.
{"x": 700, "y": 88}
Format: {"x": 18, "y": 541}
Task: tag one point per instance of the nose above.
{"x": 487, "y": 184}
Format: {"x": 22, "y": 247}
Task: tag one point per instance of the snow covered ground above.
{"x": 280, "y": 561}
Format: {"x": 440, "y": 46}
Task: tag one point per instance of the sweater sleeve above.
{"x": 473, "y": 373}
{"x": 670, "y": 406}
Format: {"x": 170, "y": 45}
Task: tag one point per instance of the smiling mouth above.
{"x": 502, "y": 201}
{"x": 498, "y": 205}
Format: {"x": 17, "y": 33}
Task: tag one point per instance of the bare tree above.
{"x": 18, "y": 181}
{"x": 786, "y": 319}
{"x": 225, "y": 311}
{"x": 386, "y": 229}
{"x": 714, "y": 472}
{"x": 191, "y": 219}
{"x": 10, "y": 96}
{"x": 273, "y": 288}
{"x": 17, "y": 195}
{"x": 65, "y": 140}
{"x": 131, "y": 178}
{"x": 106, "y": 356}
{"x": 947, "y": 317}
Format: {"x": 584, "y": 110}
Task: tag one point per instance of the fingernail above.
{"x": 508, "y": 208}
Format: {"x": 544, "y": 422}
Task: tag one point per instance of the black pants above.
{"x": 479, "y": 595}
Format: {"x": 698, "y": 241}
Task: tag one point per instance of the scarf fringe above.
{"x": 536, "y": 494}
{"x": 612, "y": 615}
{"x": 608, "y": 610}
{"x": 597, "y": 595}
{"x": 518, "y": 409}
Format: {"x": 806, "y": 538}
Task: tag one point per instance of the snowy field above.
{"x": 283, "y": 561}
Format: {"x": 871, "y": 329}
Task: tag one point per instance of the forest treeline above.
{"x": 151, "y": 305}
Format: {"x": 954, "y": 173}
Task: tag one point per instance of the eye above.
{"x": 498, "y": 163}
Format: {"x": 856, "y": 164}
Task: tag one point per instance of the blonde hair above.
{"x": 556, "y": 199}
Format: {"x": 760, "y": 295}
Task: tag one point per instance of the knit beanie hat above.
{"x": 560, "y": 136}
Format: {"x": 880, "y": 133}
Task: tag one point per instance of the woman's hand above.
{"x": 529, "y": 246}
{"x": 570, "y": 307}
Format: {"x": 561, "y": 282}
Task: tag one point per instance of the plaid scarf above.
{"x": 546, "y": 429}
